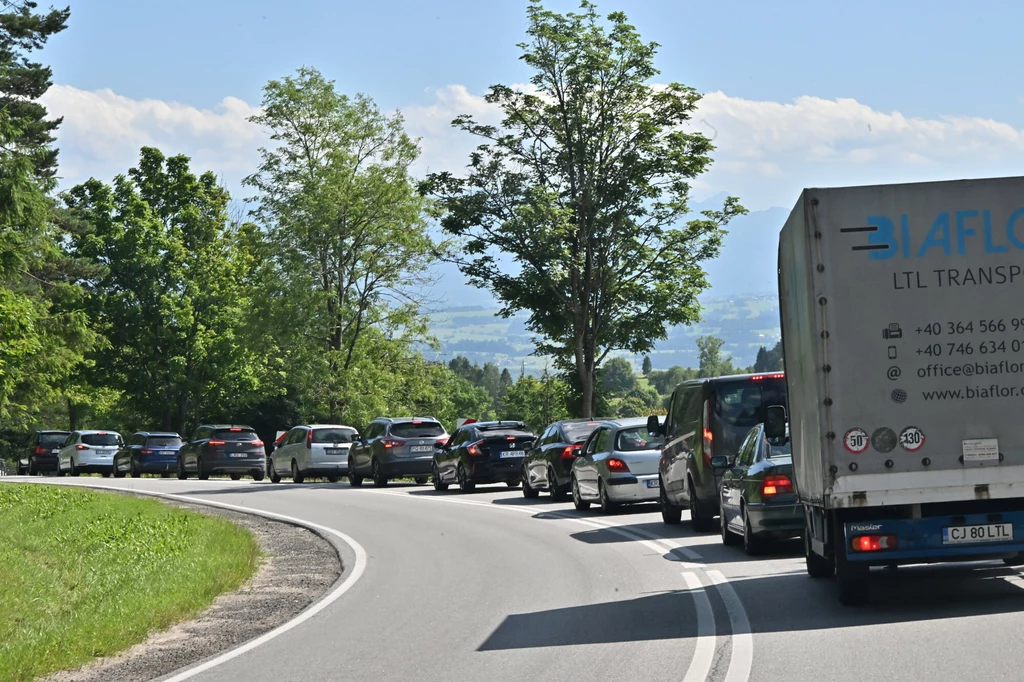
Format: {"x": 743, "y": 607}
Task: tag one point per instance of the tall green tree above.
{"x": 712, "y": 363}
{"x": 617, "y": 377}
{"x": 170, "y": 297}
{"x": 347, "y": 229}
{"x": 769, "y": 360}
{"x": 584, "y": 188}
{"x": 648, "y": 366}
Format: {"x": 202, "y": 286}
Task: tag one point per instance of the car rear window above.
{"x": 414, "y": 430}
{"x": 744, "y": 403}
{"x": 236, "y": 434}
{"x": 99, "y": 438}
{"x": 333, "y": 435}
{"x": 579, "y": 431}
{"x": 162, "y": 441}
{"x": 51, "y": 439}
{"x": 638, "y": 438}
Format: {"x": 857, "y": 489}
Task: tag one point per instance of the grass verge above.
{"x": 86, "y": 574}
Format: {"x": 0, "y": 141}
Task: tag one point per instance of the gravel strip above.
{"x": 299, "y": 566}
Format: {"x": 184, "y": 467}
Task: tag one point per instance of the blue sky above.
{"x": 798, "y": 93}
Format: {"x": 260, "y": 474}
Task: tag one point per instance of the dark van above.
{"x": 709, "y": 417}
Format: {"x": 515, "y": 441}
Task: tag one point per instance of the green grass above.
{"x": 86, "y": 574}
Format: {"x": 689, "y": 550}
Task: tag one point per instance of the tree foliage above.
{"x": 770, "y": 360}
{"x": 536, "y": 401}
{"x": 585, "y": 188}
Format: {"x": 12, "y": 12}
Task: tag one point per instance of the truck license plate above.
{"x": 964, "y": 535}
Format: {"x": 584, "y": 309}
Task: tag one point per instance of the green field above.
{"x": 86, "y": 574}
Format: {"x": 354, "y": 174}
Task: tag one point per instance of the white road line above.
{"x": 704, "y": 653}
{"x": 742, "y": 658}
{"x": 327, "y": 600}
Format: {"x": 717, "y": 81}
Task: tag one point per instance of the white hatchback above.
{"x": 311, "y": 451}
{"x": 87, "y": 452}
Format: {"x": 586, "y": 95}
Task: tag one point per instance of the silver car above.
{"x": 311, "y": 451}
{"x": 87, "y": 452}
{"x": 617, "y": 465}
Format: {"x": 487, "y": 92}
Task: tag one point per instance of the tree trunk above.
{"x": 72, "y": 416}
{"x": 587, "y": 391}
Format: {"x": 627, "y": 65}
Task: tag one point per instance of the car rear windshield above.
{"x": 578, "y": 431}
{"x": 333, "y": 435}
{"x": 744, "y": 403}
{"x": 506, "y": 432}
{"x": 99, "y": 439}
{"x": 414, "y": 430}
{"x": 638, "y": 438}
{"x": 162, "y": 441}
{"x": 52, "y": 439}
{"x": 781, "y": 450}
{"x": 238, "y": 435}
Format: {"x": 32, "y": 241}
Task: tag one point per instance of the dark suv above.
{"x": 41, "y": 452}
{"x": 707, "y": 418}
{"x": 395, "y": 448}
{"x": 148, "y": 453}
{"x": 223, "y": 449}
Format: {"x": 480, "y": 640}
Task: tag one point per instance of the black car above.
{"x": 41, "y": 452}
{"x": 706, "y": 418}
{"x": 483, "y": 452}
{"x": 548, "y": 464}
{"x": 223, "y": 449}
{"x": 148, "y": 452}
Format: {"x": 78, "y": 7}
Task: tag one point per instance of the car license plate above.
{"x": 334, "y": 451}
{"x": 991, "y": 532}
{"x": 421, "y": 448}
{"x": 511, "y": 453}
{"x": 167, "y": 452}
{"x": 652, "y": 484}
{"x": 238, "y": 454}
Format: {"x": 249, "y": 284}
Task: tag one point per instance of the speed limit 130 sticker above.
{"x": 856, "y": 440}
{"x": 911, "y": 439}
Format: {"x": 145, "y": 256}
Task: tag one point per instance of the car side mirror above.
{"x": 653, "y": 426}
{"x": 720, "y": 462}
{"x": 775, "y": 422}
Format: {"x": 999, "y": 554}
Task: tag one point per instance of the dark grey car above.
{"x": 395, "y": 448}
{"x": 229, "y": 449}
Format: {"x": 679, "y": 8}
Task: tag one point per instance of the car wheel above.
{"x": 465, "y": 485}
{"x": 1015, "y": 560}
{"x": 379, "y": 479}
{"x": 355, "y": 480}
{"x": 32, "y": 471}
{"x": 297, "y": 476}
{"x": 334, "y": 478}
{"x": 20, "y": 469}
{"x": 557, "y": 491}
{"x": 105, "y": 474}
{"x": 728, "y": 537}
{"x": 700, "y": 522}
{"x": 182, "y": 474}
{"x": 274, "y": 477}
{"x": 671, "y": 514}
{"x": 529, "y": 492}
{"x": 258, "y": 474}
{"x": 514, "y": 483}
{"x": 133, "y": 466}
{"x": 117, "y": 471}
{"x": 439, "y": 485}
{"x": 236, "y": 477}
{"x": 577, "y": 499}
{"x": 201, "y": 473}
{"x": 607, "y": 506}
{"x": 421, "y": 480}
{"x": 165, "y": 474}
{"x": 72, "y": 471}
{"x": 752, "y": 544}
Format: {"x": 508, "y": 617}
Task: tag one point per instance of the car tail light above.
{"x": 81, "y": 447}
{"x": 101, "y": 433}
{"x": 617, "y": 466}
{"x": 474, "y": 449}
{"x": 40, "y": 450}
{"x": 234, "y": 429}
{"x": 441, "y": 441}
{"x": 309, "y": 440}
{"x": 215, "y": 442}
{"x": 391, "y": 443}
{"x": 257, "y": 443}
{"x": 776, "y": 484}
{"x": 147, "y": 451}
{"x": 570, "y": 452}
{"x": 874, "y": 543}
{"x": 762, "y": 377}
{"x": 708, "y": 436}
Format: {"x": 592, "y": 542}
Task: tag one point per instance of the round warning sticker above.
{"x": 856, "y": 440}
{"x": 911, "y": 439}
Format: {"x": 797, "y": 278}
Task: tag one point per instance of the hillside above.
{"x": 745, "y": 322}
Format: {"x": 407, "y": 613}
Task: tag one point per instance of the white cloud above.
{"x": 766, "y": 151}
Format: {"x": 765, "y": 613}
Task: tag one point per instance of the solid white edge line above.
{"x": 742, "y": 659}
{"x": 704, "y": 652}
{"x": 327, "y": 600}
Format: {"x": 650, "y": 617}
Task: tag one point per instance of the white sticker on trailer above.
{"x": 981, "y": 449}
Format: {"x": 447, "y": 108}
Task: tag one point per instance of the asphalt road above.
{"x": 492, "y": 587}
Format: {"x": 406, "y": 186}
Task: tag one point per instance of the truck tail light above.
{"x": 617, "y": 466}
{"x": 874, "y": 543}
{"x": 776, "y": 484}
{"x": 708, "y": 436}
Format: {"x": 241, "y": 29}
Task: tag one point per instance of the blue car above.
{"x": 148, "y": 452}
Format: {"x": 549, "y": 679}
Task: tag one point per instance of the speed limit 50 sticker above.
{"x": 911, "y": 439}
{"x": 856, "y": 440}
